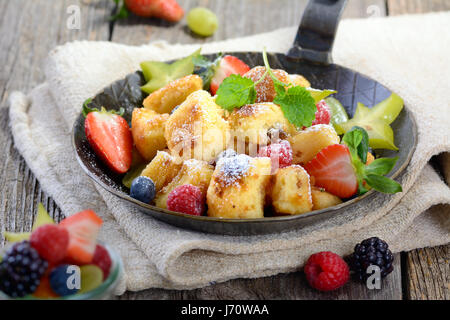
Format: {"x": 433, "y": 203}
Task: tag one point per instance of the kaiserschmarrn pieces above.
{"x": 252, "y": 122}
{"x": 237, "y": 188}
{"x": 322, "y": 199}
{"x": 147, "y": 128}
{"x": 195, "y": 172}
{"x": 309, "y": 142}
{"x": 197, "y": 129}
{"x": 265, "y": 91}
{"x": 299, "y": 80}
{"x": 174, "y": 93}
{"x": 162, "y": 169}
{"x": 291, "y": 191}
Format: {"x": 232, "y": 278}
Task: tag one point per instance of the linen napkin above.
{"x": 410, "y": 60}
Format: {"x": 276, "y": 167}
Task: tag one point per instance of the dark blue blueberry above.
{"x": 64, "y": 280}
{"x": 143, "y": 189}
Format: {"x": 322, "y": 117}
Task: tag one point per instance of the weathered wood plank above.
{"x": 292, "y": 286}
{"x": 260, "y": 16}
{"x": 396, "y": 7}
{"x": 26, "y": 39}
{"x": 427, "y": 274}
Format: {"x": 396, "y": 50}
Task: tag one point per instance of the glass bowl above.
{"x": 103, "y": 292}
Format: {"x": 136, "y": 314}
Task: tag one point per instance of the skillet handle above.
{"x": 315, "y": 36}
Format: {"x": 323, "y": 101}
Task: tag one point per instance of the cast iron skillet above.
{"x": 311, "y": 57}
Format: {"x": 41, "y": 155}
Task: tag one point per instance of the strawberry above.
{"x": 227, "y": 66}
{"x": 332, "y": 170}
{"x": 110, "y": 137}
{"x": 83, "y": 229}
{"x": 168, "y": 10}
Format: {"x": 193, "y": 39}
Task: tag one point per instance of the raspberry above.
{"x": 51, "y": 242}
{"x": 102, "y": 260}
{"x": 372, "y": 251}
{"x": 326, "y": 271}
{"x": 186, "y": 199}
{"x": 280, "y": 153}
{"x": 323, "y": 114}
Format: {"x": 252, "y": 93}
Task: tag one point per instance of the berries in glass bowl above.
{"x": 59, "y": 261}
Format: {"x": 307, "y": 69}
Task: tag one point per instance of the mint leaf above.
{"x": 297, "y": 105}
{"x": 235, "y": 91}
{"x": 357, "y": 140}
{"x": 381, "y": 166}
{"x": 383, "y": 184}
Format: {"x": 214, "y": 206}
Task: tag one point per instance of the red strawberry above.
{"x": 110, "y": 137}
{"x": 323, "y": 114}
{"x": 332, "y": 170}
{"x": 83, "y": 229}
{"x": 228, "y": 65}
{"x": 168, "y": 10}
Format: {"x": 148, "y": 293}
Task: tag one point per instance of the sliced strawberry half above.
{"x": 228, "y": 65}
{"x": 83, "y": 228}
{"x": 332, "y": 170}
{"x": 110, "y": 137}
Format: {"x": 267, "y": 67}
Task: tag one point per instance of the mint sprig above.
{"x": 235, "y": 91}
{"x": 357, "y": 140}
{"x": 297, "y": 103}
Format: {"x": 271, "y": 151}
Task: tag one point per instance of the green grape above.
{"x": 91, "y": 277}
{"x": 202, "y": 21}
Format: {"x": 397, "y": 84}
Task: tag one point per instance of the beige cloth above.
{"x": 409, "y": 54}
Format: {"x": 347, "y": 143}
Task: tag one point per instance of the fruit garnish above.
{"x": 51, "y": 242}
{"x": 132, "y": 174}
{"x": 16, "y": 236}
{"x": 91, "y": 277}
{"x": 279, "y": 153}
{"x": 63, "y": 280}
{"x": 326, "y": 271}
{"x": 206, "y": 69}
{"x": 297, "y": 103}
{"x": 109, "y": 136}
{"x": 21, "y": 270}
{"x": 83, "y": 228}
{"x": 168, "y": 10}
{"x": 143, "y": 189}
{"x": 227, "y": 66}
{"x": 202, "y": 21}
{"x": 337, "y": 110}
{"x": 158, "y": 74}
{"x": 332, "y": 170}
{"x": 41, "y": 219}
{"x": 376, "y": 121}
{"x": 187, "y": 199}
{"x": 357, "y": 140}
{"x": 102, "y": 260}
{"x": 371, "y": 251}
{"x": 44, "y": 290}
{"x": 323, "y": 113}
{"x": 319, "y": 95}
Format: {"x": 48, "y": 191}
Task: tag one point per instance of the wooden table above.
{"x": 30, "y": 28}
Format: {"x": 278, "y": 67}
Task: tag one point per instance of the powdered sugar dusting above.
{"x": 233, "y": 169}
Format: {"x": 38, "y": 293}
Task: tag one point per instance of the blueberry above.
{"x": 64, "y": 280}
{"x": 143, "y": 189}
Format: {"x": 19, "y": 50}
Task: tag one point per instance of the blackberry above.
{"x": 21, "y": 270}
{"x": 372, "y": 251}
